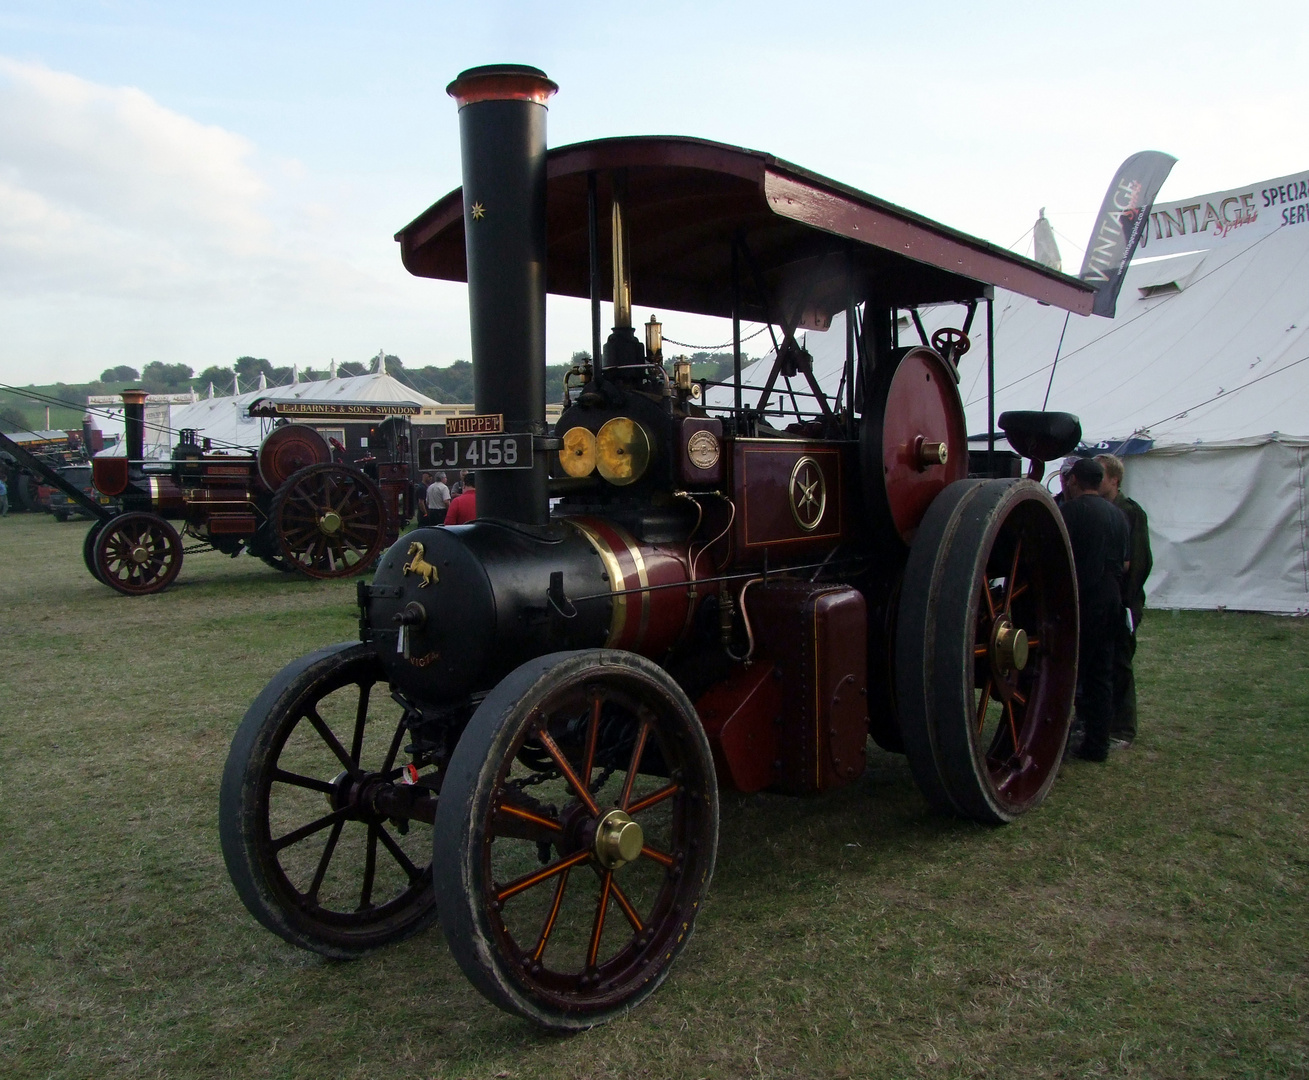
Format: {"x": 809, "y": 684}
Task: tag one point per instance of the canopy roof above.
{"x": 813, "y": 240}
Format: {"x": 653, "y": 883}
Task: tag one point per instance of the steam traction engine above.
{"x": 529, "y": 739}
{"x": 293, "y": 504}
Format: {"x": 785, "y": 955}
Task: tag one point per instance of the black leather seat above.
{"x": 1042, "y": 436}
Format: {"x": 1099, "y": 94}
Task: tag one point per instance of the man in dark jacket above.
{"x": 1098, "y": 533}
{"x": 1122, "y": 728}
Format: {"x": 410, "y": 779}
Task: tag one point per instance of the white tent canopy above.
{"x": 1208, "y": 344}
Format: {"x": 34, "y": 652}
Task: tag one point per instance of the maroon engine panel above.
{"x": 816, "y": 637}
{"x": 741, "y": 717}
{"x": 790, "y": 496}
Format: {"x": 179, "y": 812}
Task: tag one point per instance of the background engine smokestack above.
{"x": 134, "y": 423}
{"x": 502, "y": 116}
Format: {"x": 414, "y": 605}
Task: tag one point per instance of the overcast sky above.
{"x": 194, "y": 182}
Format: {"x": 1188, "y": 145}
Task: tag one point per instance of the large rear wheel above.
{"x": 987, "y": 649}
{"x": 576, "y": 836}
{"x": 330, "y": 521}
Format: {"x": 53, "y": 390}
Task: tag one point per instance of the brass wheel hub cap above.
{"x": 618, "y": 840}
{"x": 1009, "y": 646}
{"x": 140, "y": 555}
{"x": 330, "y": 523}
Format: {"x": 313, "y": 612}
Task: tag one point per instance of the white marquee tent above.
{"x": 227, "y": 422}
{"x": 1206, "y": 362}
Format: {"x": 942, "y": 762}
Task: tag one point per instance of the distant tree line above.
{"x": 450, "y": 384}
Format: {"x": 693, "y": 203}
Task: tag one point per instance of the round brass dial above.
{"x": 622, "y": 451}
{"x": 577, "y": 458}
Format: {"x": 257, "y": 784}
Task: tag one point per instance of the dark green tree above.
{"x": 221, "y": 377}
{"x": 122, "y": 373}
{"x": 251, "y": 367}
{"x": 350, "y": 368}
{"x": 162, "y": 378}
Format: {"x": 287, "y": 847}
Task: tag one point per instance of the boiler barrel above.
{"x": 486, "y": 597}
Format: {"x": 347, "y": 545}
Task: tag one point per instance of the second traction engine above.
{"x": 662, "y": 596}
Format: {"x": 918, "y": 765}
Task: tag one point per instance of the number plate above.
{"x": 476, "y": 453}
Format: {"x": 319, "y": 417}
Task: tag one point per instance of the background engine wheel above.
{"x": 987, "y": 649}
{"x": 330, "y": 521}
{"x": 88, "y": 547}
{"x": 325, "y": 845}
{"x": 576, "y": 836}
{"x": 136, "y": 553}
{"x": 289, "y": 449}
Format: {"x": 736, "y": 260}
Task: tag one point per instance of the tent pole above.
{"x": 1058, "y": 349}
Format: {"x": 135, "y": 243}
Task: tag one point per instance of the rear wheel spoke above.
{"x": 321, "y": 872}
{"x": 406, "y": 864}
{"x": 370, "y": 869}
{"x": 333, "y": 743}
{"x": 305, "y": 831}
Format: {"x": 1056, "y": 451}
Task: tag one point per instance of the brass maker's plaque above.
{"x": 702, "y": 449}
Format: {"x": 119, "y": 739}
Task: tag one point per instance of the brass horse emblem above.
{"x": 420, "y": 566}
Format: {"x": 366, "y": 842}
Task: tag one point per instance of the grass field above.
{"x": 1150, "y": 920}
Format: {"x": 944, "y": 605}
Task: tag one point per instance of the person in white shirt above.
{"x": 438, "y": 500}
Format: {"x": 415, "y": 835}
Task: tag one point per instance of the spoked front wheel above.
{"x": 326, "y": 832}
{"x": 576, "y": 836}
{"x": 136, "y": 553}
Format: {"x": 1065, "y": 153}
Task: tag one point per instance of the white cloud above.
{"x": 130, "y": 232}
{"x": 110, "y": 163}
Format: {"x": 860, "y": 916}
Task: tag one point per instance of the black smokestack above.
{"x": 502, "y": 133}
{"x": 134, "y": 423}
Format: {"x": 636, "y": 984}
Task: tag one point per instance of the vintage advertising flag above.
{"x": 1118, "y": 227}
